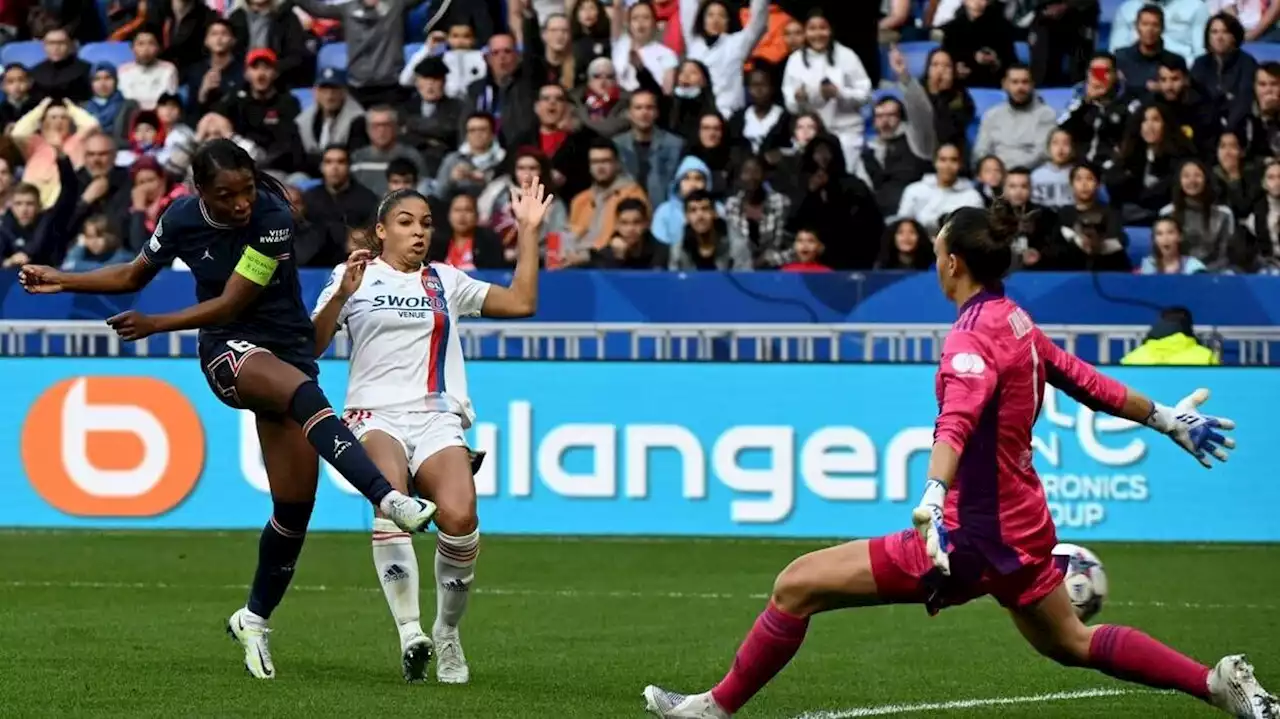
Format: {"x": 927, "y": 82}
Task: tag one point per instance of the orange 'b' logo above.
{"x": 113, "y": 446}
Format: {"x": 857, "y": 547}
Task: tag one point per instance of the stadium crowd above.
{"x": 677, "y": 134}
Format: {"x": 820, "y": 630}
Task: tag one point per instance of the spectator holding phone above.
{"x": 980, "y": 38}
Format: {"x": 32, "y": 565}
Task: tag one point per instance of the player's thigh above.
{"x": 1051, "y": 627}
{"x": 445, "y": 478}
{"x": 388, "y": 456}
{"x": 292, "y": 465}
{"x": 266, "y": 383}
{"x": 832, "y": 578}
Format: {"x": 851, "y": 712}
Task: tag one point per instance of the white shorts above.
{"x": 421, "y": 434}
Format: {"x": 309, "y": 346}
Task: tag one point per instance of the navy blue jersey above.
{"x": 277, "y": 319}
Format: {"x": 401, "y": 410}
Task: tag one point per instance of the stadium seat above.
{"x": 116, "y": 53}
{"x": 333, "y": 55}
{"x": 306, "y": 96}
{"x": 917, "y": 54}
{"x": 307, "y": 184}
{"x": 1263, "y": 51}
{"x": 1022, "y": 51}
{"x": 27, "y": 54}
{"x": 984, "y": 99}
{"x": 1059, "y": 98}
{"x": 1139, "y": 243}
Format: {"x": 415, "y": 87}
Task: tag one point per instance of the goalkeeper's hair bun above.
{"x": 984, "y": 239}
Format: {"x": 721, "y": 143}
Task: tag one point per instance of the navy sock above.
{"x": 278, "y": 551}
{"x": 335, "y": 443}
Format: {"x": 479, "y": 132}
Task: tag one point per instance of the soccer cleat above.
{"x": 251, "y": 631}
{"x": 409, "y": 513}
{"x": 670, "y": 705}
{"x": 416, "y": 650}
{"x": 451, "y": 663}
{"x": 1234, "y": 690}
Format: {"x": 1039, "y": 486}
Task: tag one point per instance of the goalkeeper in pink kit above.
{"x": 983, "y": 526}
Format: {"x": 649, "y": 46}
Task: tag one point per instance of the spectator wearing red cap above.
{"x": 265, "y": 115}
{"x": 272, "y": 25}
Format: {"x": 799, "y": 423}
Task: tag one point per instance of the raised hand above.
{"x": 354, "y": 274}
{"x": 529, "y": 204}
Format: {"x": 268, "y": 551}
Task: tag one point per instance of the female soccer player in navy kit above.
{"x": 983, "y": 527}
{"x": 256, "y": 348}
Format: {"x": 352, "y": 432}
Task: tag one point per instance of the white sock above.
{"x": 397, "y": 567}
{"x": 455, "y": 570}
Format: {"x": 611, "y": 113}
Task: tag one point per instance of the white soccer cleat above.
{"x": 451, "y": 663}
{"x": 1234, "y": 690}
{"x": 250, "y": 630}
{"x": 409, "y": 513}
{"x": 415, "y": 655}
{"x": 670, "y": 705}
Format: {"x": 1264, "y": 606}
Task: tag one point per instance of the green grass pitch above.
{"x": 131, "y": 625}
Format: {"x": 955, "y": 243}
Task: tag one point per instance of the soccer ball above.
{"x": 1086, "y": 580}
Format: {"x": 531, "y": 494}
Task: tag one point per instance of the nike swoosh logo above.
{"x": 265, "y": 668}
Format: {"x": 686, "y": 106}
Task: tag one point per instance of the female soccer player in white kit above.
{"x": 407, "y": 400}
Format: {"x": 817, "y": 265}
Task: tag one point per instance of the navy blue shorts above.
{"x": 221, "y": 360}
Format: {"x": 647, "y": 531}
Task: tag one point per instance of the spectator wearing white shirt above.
{"x": 939, "y": 194}
{"x": 1184, "y": 24}
{"x": 827, "y": 78}
{"x": 148, "y": 77}
{"x": 641, "y": 36}
{"x": 707, "y": 39}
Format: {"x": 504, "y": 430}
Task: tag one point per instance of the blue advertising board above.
{"x": 631, "y": 448}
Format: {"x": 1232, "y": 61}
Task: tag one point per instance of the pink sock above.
{"x": 1130, "y": 655}
{"x": 773, "y": 640}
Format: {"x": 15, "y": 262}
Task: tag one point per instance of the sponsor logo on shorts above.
{"x": 113, "y": 446}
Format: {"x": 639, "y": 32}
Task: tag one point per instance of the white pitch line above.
{"x": 567, "y": 593}
{"x": 886, "y": 709}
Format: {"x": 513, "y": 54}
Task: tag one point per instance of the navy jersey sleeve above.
{"x": 269, "y": 243}
{"x": 162, "y": 248}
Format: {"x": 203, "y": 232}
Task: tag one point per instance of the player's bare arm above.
{"x": 110, "y": 280}
{"x": 252, "y": 274}
{"x": 326, "y": 319}
{"x": 529, "y": 204}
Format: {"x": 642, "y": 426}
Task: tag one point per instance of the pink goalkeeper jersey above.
{"x": 990, "y": 386}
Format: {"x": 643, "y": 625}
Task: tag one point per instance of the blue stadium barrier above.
{"x": 769, "y": 297}
{"x": 1139, "y": 243}
{"x": 306, "y": 96}
{"x": 634, "y": 449}
{"x": 1263, "y": 51}
{"x": 332, "y": 55}
{"x": 116, "y": 53}
{"x": 27, "y": 53}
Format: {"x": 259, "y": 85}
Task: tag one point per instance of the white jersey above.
{"x": 405, "y": 350}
